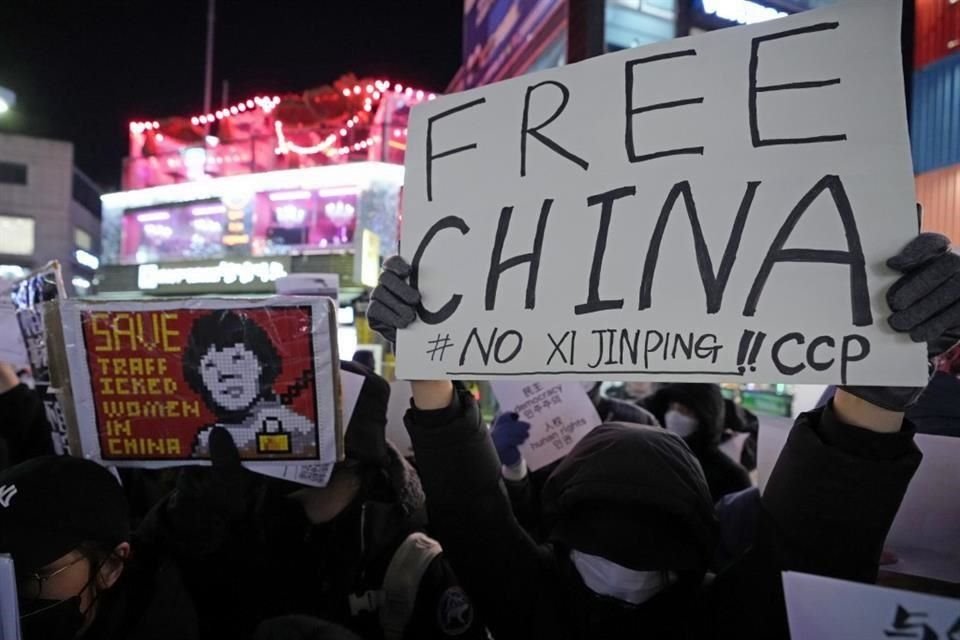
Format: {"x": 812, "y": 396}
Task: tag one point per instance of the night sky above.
{"x": 83, "y": 69}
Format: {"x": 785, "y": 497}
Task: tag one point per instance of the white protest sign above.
{"x": 9, "y": 609}
{"x": 12, "y": 349}
{"x": 925, "y": 532}
{"x": 828, "y": 609}
{"x": 712, "y": 208}
{"x": 559, "y": 413}
{"x": 350, "y": 386}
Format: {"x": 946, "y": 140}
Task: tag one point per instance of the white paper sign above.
{"x": 9, "y": 610}
{"x": 12, "y": 349}
{"x": 827, "y": 609}
{"x": 559, "y": 413}
{"x": 925, "y": 532}
{"x": 712, "y": 208}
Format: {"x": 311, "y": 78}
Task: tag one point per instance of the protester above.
{"x": 352, "y": 553}
{"x": 616, "y": 409}
{"x": 937, "y": 411}
{"x": 697, "y": 413}
{"x": 632, "y": 525}
{"x": 24, "y": 430}
{"x": 80, "y": 573}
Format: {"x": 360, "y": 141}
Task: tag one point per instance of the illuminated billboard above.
{"x": 314, "y": 210}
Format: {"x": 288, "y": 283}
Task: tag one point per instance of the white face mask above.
{"x": 680, "y": 424}
{"x": 607, "y": 578}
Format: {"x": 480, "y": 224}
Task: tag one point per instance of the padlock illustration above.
{"x": 271, "y": 438}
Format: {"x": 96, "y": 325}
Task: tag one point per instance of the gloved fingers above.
{"x": 925, "y": 308}
{"x": 505, "y": 418}
{"x": 223, "y": 451}
{"x": 946, "y": 321}
{"x": 923, "y": 248}
{"x": 399, "y": 288}
{"x": 387, "y": 308}
{"x": 397, "y": 265}
{"x": 921, "y": 282}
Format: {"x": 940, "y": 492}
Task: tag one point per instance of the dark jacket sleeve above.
{"x": 470, "y": 515}
{"x": 23, "y": 425}
{"x": 826, "y": 510}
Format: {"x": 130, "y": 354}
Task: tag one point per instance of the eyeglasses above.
{"x": 31, "y": 584}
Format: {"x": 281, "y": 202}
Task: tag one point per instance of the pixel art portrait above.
{"x": 151, "y": 379}
{"x": 232, "y": 363}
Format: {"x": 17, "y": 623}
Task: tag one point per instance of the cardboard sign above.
{"x": 9, "y": 608}
{"x": 925, "y": 532}
{"x": 150, "y": 380}
{"x": 827, "y": 609}
{"x": 559, "y": 413}
{"x": 29, "y": 297}
{"x": 711, "y": 208}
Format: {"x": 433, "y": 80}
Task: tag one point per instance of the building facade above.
{"x": 49, "y": 210}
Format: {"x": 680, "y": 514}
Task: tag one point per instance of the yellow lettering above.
{"x": 130, "y": 447}
{"x": 153, "y": 386}
{"x": 168, "y": 332}
{"x": 113, "y": 447}
{"x": 191, "y": 409}
{"x": 100, "y": 331}
{"x": 106, "y": 386}
{"x": 136, "y": 366}
{"x": 118, "y": 428}
{"x": 119, "y": 366}
{"x": 169, "y": 386}
{"x": 122, "y": 385}
{"x": 173, "y": 446}
{"x": 162, "y": 366}
{"x": 123, "y": 326}
{"x": 154, "y": 446}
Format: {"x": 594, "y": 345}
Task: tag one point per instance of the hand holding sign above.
{"x": 925, "y": 302}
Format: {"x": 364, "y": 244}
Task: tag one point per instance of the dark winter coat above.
{"x": 274, "y": 562}
{"x": 149, "y": 602}
{"x": 937, "y": 410}
{"x": 827, "y": 508}
{"x": 705, "y": 400}
{"x": 24, "y": 430}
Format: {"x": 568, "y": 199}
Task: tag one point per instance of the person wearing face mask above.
{"x": 632, "y": 520}
{"x": 353, "y": 553}
{"x": 80, "y": 572}
{"x": 696, "y": 413}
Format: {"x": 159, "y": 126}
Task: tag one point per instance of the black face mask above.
{"x": 44, "y": 619}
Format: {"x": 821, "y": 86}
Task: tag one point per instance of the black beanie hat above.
{"x": 704, "y": 400}
{"x": 366, "y": 436}
{"x": 635, "y": 495}
{"x": 52, "y": 504}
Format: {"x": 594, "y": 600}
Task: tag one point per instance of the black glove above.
{"x": 301, "y": 628}
{"x": 926, "y": 303}
{"x": 394, "y": 302}
{"x": 208, "y": 500}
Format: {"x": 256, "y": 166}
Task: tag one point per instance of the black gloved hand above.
{"x": 926, "y": 303}
{"x": 393, "y": 302}
{"x": 208, "y": 500}
{"x": 301, "y": 628}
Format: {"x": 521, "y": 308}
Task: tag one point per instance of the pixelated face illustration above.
{"x": 232, "y": 376}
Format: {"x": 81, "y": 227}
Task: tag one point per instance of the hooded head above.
{"x": 702, "y": 403}
{"x": 635, "y": 496}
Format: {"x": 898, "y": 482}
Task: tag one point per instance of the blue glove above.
{"x": 508, "y": 433}
{"x": 926, "y": 304}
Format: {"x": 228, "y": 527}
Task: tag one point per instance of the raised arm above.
{"x": 469, "y": 511}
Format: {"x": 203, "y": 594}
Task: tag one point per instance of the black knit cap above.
{"x": 635, "y": 495}
{"x": 52, "y": 504}
{"x": 366, "y": 437}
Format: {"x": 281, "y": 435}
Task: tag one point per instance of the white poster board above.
{"x": 150, "y": 379}
{"x": 559, "y": 413}
{"x": 821, "y": 608}
{"x": 925, "y": 534}
{"x": 12, "y": 349}
{"x": 712, "y": 208}
{"x": 9, "y": 609}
